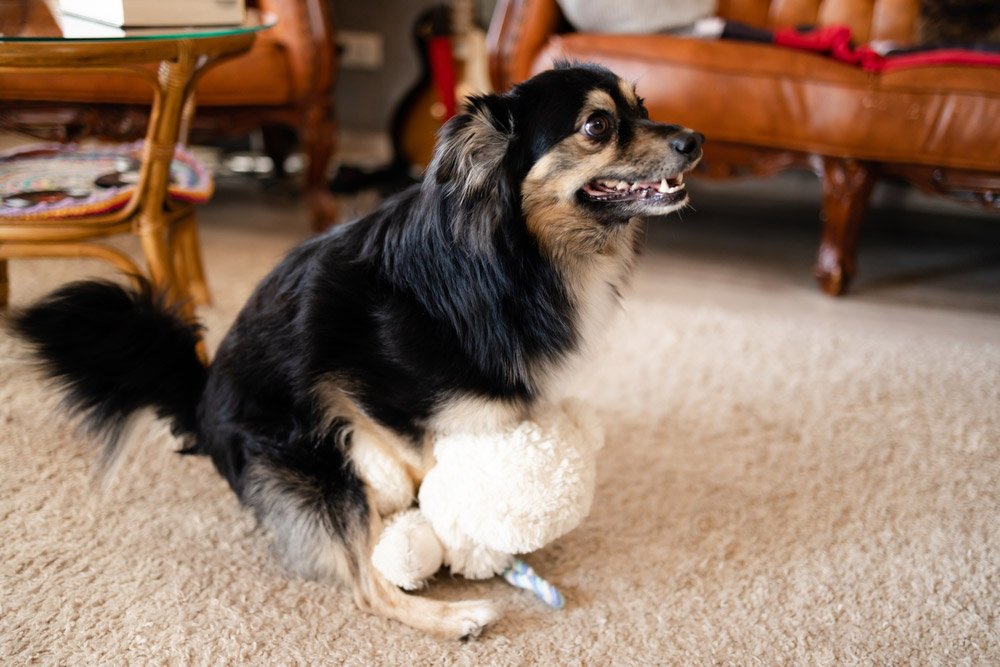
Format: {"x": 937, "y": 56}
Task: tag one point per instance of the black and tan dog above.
{"x": 455, "y": 304}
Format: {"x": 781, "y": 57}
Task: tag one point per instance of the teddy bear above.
{"x": 493, "y": 495}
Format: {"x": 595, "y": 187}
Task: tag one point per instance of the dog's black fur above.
{"x": 452, "y": 290}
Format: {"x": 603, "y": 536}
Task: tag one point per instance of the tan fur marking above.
{"x": 549, "y": 199}
{"x": 598, "y": 100}
{"x": 628, "y": 92}
{"x": 548, "y": 193}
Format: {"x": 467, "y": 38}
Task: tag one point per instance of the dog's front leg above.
{"x": 387, "y": 465}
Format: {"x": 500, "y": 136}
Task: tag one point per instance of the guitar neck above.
{"x": 470, "y": 50}
{"x": 461, "y": 17}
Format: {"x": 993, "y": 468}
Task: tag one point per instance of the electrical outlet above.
{"x": 361, "y": 50}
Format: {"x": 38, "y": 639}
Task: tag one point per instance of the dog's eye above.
{"x": 597, "y": 126}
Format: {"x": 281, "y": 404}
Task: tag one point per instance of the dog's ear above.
{"x": 469, "y": 158}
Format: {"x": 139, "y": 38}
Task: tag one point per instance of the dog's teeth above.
{"x": 634, "y": 187}
{"x": 622, "y": 186}
{"x": 680, "y": 179}
{"x": 663, "y": 185}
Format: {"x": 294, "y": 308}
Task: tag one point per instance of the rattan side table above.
{"x": 166, "y": 228}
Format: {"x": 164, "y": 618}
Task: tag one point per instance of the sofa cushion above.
{"x": 634, "y": 16}
{"x": 780, "y": 98}
{"x": 259, "y": 77}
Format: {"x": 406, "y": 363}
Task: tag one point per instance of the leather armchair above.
{"x": 285, "y": 82}
{"x": 765, "y": 108}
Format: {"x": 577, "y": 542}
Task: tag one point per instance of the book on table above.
{"x": 157, "y": 13}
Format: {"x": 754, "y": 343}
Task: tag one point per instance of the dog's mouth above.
{"x": 667, "y": 191}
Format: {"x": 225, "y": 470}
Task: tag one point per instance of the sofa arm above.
{"x": 518, "y": 31}
{"x": 305, "y": 30}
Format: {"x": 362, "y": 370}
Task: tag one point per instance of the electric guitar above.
{"x": 453, "y": 65}
{"x": 457, "y": 64}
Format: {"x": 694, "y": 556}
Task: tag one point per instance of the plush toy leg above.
{"x": 473, "y": 561}
{"x": 408, "y": 552}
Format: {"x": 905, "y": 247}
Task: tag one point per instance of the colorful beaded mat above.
{"x": 64, "y": 181}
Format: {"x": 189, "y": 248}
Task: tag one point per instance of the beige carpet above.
{"x": 774, "y": 490}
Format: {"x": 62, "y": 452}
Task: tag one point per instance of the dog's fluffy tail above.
{"x": 117, "y": 351}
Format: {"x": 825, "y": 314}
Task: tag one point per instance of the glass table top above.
{"x": 42, "y": 21}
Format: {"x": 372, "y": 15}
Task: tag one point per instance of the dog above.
{"x": 454, "y": 305}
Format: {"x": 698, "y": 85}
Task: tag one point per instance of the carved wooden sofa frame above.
{"x": 935, "y": 127}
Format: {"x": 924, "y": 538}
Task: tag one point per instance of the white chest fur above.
{"x": 595, "y": 284}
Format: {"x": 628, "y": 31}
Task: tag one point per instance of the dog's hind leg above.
{"x": 325, "y": 525}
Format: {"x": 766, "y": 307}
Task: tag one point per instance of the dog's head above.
{"x": 570, "y": 151}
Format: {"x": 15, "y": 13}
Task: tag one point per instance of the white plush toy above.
{"x": 492, "y": 495}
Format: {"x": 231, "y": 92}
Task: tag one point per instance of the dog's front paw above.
{"x": 391, "y": 487}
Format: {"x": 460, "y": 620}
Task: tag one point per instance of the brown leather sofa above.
{"x": 283, "y": 84}
{"x": 765, "y": 108}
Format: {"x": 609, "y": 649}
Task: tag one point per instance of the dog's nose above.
{"x": 687, "y": 143}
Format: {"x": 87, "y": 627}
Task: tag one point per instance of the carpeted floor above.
{"x": 774, "y": 490}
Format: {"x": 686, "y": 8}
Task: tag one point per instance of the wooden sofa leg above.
{"x": 279, "y": 141}
{"x": 847, "y": 187}
{"x": 318, "y": 145}
{"x": 4, "y": 284}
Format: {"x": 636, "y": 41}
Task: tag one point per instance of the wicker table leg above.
{"x": 186, "y": 251}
